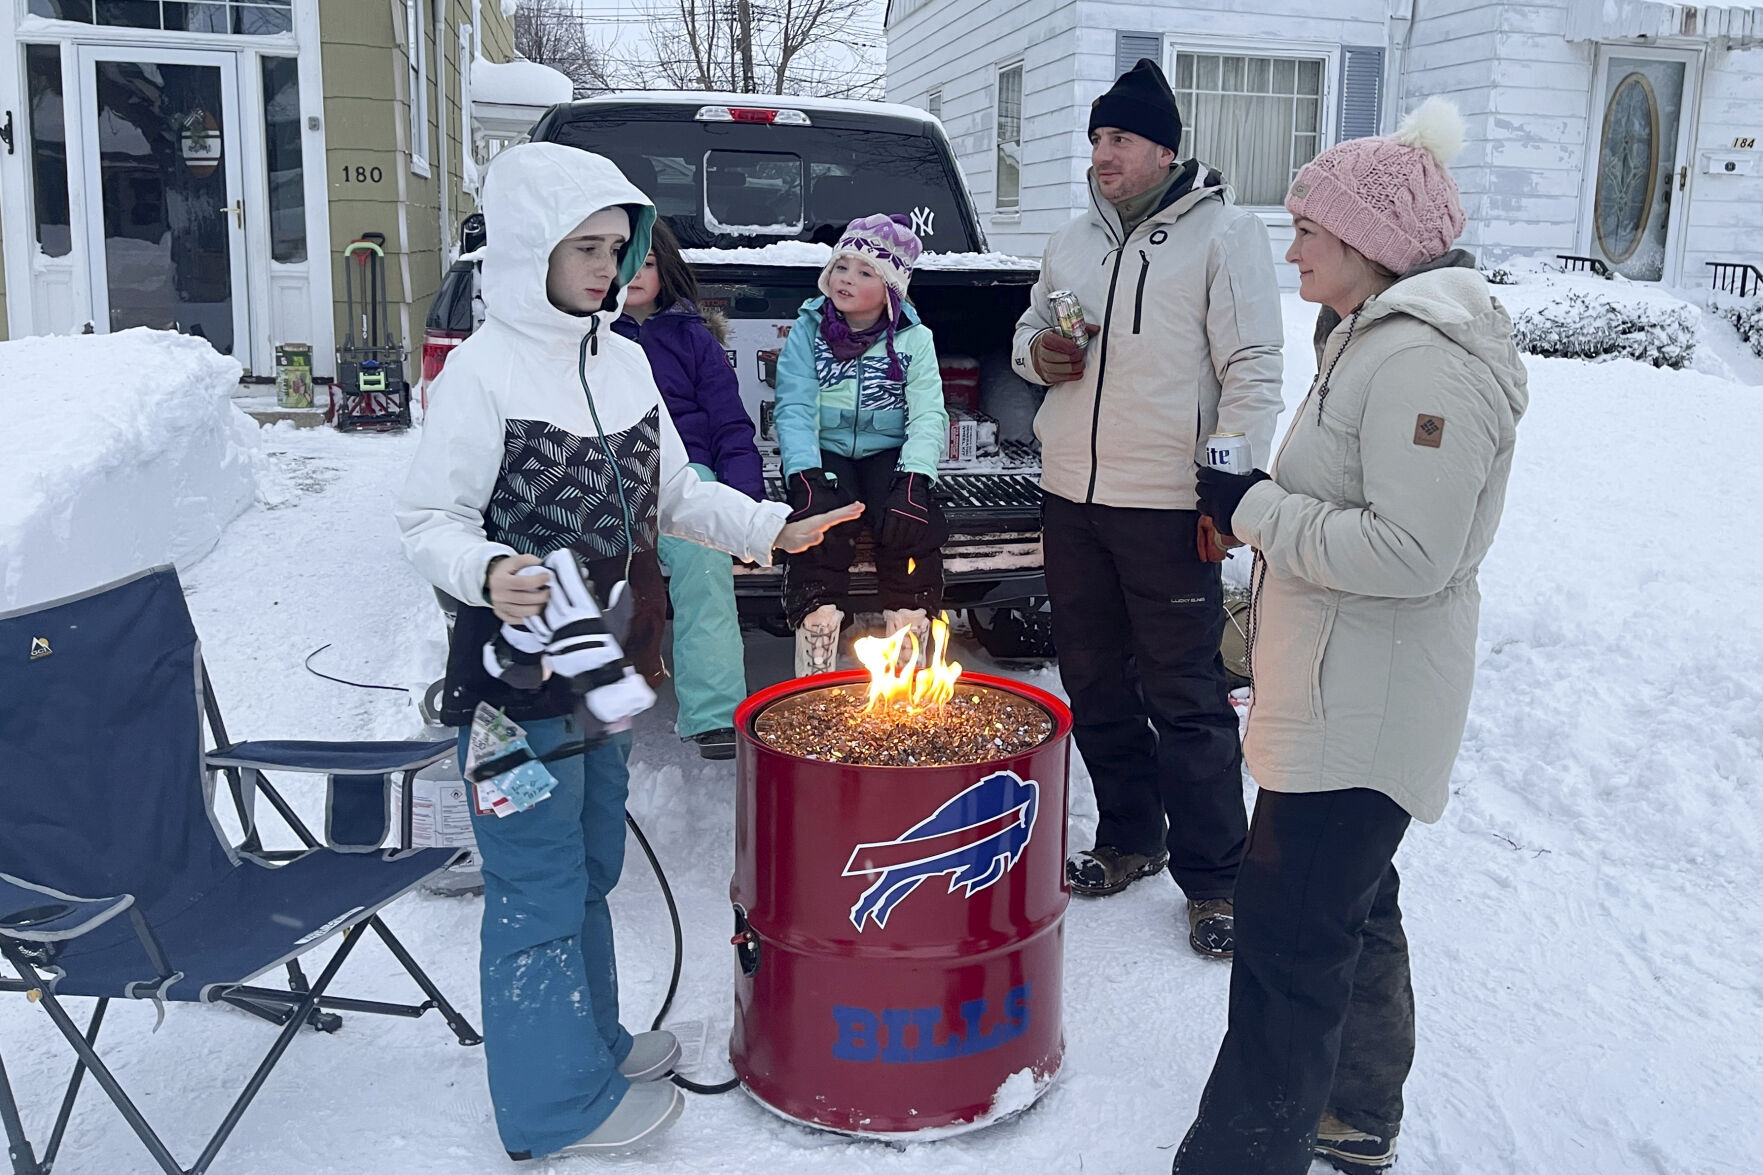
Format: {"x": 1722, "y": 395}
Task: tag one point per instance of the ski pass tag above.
{"x": 494, "y": 736}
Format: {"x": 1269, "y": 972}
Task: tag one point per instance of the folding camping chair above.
{"x": 115, "y": 879}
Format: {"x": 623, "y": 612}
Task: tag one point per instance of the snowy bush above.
{"x": 1589, "y": 325}
{"x": 1746, "y": 318}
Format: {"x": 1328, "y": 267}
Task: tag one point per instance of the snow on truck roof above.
{"x": 807, "y": 254}
{"x": 760, "y": 101}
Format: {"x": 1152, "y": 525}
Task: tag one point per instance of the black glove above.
{"x": 815, "y": 491}
{"x": 912, "y": 522}
{"x": 1221, "y": 493}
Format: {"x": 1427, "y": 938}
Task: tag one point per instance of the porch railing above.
{"x": 1737, "y": 277}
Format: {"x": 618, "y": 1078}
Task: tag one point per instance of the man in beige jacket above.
{"x": 1178, "y": 285}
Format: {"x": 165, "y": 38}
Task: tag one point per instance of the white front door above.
{"x": 1643, "y": 108}
{"x": 165, "y": 206}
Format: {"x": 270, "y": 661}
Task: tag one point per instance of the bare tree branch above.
{"x": 823, "y": 47}
{"x": 554, "y": 33}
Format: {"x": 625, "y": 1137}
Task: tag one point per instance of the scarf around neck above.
{"x": 847, "y": 344}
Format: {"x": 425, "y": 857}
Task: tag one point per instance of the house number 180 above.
{"x": 362, "y": 175}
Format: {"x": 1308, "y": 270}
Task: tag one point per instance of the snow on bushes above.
{"x": 1581, "y": 316}
{"x": 124, "y": 451}
{"x": 1746, "y": 317}
{"x": 1585, "y": 326}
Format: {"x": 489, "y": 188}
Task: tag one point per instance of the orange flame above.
{"x": 901, "y": 676}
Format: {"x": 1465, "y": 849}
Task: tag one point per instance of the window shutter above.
{"x": 1361, "y": 110}
{"x": 1129, "y": 47}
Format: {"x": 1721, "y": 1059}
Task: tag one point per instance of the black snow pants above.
{"x": 822, "y": 574}
{"x": 1137, "y": 620}
{"x": 1321, "y": 1008}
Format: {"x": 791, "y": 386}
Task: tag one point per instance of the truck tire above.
{"x": 1022, "y": 633}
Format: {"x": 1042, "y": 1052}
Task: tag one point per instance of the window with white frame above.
{"x": 418, "y": 61}
{"x": 934, "y": 103}
{"x": 1009, "y": 166}
{"x": 1257, "y": 119}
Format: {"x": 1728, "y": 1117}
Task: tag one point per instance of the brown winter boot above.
{"x": 1106, "y": 870}
{"x": 1351, "y": 1151}
{"x": 1212, "y": 927}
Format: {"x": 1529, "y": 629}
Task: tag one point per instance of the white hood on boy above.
{"x": 546, "y": 429}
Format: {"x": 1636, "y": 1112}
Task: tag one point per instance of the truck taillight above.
{"x": 752, "y": 114}
{"x": 436, "y": 346}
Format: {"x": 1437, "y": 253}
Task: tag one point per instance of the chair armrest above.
{"x": 331, "y": 758}
{"x": 36, "y": 913}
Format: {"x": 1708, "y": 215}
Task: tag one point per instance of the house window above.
{"x": 934, "y": 104}
{"x": 250, "y": 17}
{"x": 283, "y": 157}
{"x": 1256, "y": 119}
{"x": 1009, "y": 187}
{"x": 48, "y": 149}
{"x": 418, "y": 60}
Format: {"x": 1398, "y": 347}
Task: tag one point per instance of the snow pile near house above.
{"x": 1746, "y": 317}
{"x": 518, "y": 83}
{"x": 806, "y": 254}
{"x": 124, "y": 451}
{"x": 1583, "y": 316}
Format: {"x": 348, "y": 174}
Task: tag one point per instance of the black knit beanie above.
{"x": 1141, "y": 102}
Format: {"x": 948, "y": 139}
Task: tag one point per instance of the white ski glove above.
{"x": 514, "y": 655}
{"x": 580, "y": 645}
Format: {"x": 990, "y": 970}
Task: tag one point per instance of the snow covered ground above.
{"x": 1584, "y": 921}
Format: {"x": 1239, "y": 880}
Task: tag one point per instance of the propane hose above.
{"x": 679, "y": 944}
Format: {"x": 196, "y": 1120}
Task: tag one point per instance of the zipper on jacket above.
{"x": 1138, "y": 307}
{"x": 1102, "y": 374}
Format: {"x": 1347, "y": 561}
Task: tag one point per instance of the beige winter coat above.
{"x": 1370, "y": 533}
{"x": 1191, "y": 345}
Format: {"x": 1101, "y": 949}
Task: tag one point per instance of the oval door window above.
{"x": 1628, "y": 167}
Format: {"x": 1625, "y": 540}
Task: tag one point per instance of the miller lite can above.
{"x": 1068, "y": 316}
{"x": 1229, "y": 451}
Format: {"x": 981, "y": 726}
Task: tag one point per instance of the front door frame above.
{"x": 1682, "y": 170}
{"x": 226, "y": 61}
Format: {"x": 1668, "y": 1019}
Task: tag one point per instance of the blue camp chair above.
{"x": 116, "y": 881}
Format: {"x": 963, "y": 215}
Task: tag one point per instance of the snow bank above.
{"x": 123, "y": 451}
{"x": 807, "y": 254}
{"x": 518, "y": 83}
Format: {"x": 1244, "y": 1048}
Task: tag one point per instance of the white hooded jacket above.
{"x": 546, "y": 429}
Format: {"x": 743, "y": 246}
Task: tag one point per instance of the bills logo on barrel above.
{"x": 976, "y": 837}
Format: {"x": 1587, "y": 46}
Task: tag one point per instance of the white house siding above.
{"x": 1526, "y": 94}
{"x": 1068, "y": 51}
{"x": 1726, "y": 211}
{"x": 957, "y": 46}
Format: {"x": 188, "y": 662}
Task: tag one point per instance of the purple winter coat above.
{"x": 703, "y": 396}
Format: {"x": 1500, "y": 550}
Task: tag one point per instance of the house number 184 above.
{"x": 362, "y": 175}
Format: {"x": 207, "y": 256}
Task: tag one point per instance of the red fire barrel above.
{"x": 900, "y": 930}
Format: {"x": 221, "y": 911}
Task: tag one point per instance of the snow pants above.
{"x": 552, "y": 1040}
{"x": 1321, "y": 1009}
{"x": 1137, "y": 621}
{"x": 709, "y": 663}
{"x": 822, "y": 574}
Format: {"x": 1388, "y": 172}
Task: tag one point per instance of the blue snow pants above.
{"x": 552, "y": 1040}
{"x": 709, "y": 662}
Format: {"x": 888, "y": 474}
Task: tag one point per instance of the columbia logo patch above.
{"x": 40, "y": 648}
{"x": 1429, "y": 430}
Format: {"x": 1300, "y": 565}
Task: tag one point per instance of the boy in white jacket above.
{"x": 546, "y": 431}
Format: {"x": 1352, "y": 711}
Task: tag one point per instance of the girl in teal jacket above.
{"x": 860, "y": 417}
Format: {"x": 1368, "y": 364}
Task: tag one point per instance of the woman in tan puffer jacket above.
{"x": 1384, "y": 498}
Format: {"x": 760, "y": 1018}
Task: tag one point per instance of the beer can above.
{"x": 1068, "y": 315}
{"x": 1229, "y": 451}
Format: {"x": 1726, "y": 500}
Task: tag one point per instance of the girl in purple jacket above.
{"x": 704, "y": 398}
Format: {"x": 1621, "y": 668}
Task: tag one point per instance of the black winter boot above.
{"x": 1351, "y": 1151}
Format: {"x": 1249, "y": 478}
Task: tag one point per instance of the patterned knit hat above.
{"x": 1390, "y": 198}
{"x": 886, "y": 243}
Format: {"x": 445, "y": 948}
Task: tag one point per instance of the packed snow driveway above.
{"x": 1584, "y": 924}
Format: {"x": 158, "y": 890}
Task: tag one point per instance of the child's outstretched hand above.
{"x": 798, "y": 536}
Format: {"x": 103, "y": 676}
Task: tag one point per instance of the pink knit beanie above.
{"x": 1390, "y": 198}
